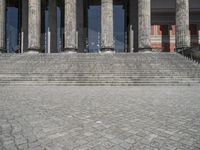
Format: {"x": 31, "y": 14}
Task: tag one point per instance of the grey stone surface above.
{"x": 2, "y": 25}
{"x": 98, "y": 69}
{"x": 99, "y": 118}
{"x": 182, "y": 24}
{"x": 107, "y": 25}
{"x": 34, "y": 24}
{"x": 70, "y": 22}
{"x": 144, "y": 24}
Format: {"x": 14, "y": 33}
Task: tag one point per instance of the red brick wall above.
{"x": 163, "y": 36}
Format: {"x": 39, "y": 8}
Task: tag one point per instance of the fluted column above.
{"x": 107, "y": 25}
{"x": 53, "y": 25}
{"x": 70, "y": 26}
{"x": 2, "y": 25}
{"x": 34, "y": 25}
{"x": 144, "y": 25}
{"x": 182, "y": 24}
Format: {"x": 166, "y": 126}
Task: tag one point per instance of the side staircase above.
{"x": 135, "y": 69}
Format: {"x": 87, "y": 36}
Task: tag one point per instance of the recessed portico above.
{"x": 97, "y": 25}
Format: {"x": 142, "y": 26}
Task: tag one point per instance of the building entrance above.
{"x": 13, "y": 26}
{"x": 52, "y": 28}
{"x": 94, "y": 29}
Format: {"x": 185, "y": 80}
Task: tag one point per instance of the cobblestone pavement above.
{"x": 100, "y": 118}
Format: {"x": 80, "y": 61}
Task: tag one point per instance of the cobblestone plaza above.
{"x": 100, "y": 118}
{"x": 99, "y": 75}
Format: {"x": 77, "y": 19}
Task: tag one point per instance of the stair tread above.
{"x": 99, "y": 69}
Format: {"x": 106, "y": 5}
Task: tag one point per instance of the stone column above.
{"x": 34, "y": 25}
{"x": 107, "y": 25}
{"x": 70, "y": 26}
{"x": 182, "y": 24}
{"x": 53, "y": 25}
{"x": 2, "y": 25}
{"x": 144, "y": 25}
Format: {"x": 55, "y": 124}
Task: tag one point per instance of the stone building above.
{"x": 51, "y": 26}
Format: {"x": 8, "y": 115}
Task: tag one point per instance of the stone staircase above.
{"x": 98, "y": 69}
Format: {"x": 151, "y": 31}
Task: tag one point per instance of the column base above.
{"x": 107, "y": 50}
{"x": 145, "y": 50}
{"x": 2, "y": 50}
{"x": 182, "y": 50}
{"x": 32, "y": 51}
{"x": 70, "y": 50}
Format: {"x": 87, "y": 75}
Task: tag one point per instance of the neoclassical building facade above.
{"x": 51, "y": 26}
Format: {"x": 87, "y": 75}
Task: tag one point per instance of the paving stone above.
{"x": 37, "y": 117}
{"x": 131, "y": 140}
{"x": 20, "y": 141}
{"x": 117, "y": 148}
{"x": 126, "y": 145}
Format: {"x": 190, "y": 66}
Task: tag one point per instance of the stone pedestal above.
{"x": 182, "y": 24}
{"x": 2, "y": 25}
{"x": 70, "y": 22}
{"x": 107, "y": 25}
{"x": 53, "y": 26}
{"x": 34, "y": 25}
{"x": 144, "y": 25}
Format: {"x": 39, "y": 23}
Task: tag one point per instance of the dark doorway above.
{"x": 93, "y": 42}
{"x": 120, "y": 33}
{"x": 13, "y": 26}
{"x": 45, "y": 26}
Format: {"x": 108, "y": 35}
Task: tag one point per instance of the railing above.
{"x": 192, "y": 53}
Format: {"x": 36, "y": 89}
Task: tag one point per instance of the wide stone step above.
{"x": 98, "y": 79}
{"x": 103, "y": 75}
{"x": 68, "y": 83}
{"x": 4, "y": 76}
{"x": 98, "y": 69}
{"x": 34, "y": 71}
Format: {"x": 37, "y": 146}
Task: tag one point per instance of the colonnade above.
{"x": 33, "y": 33}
